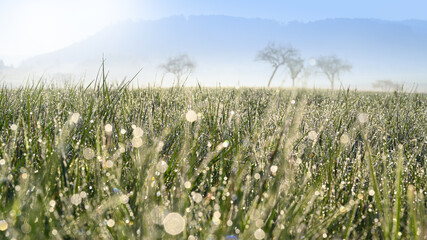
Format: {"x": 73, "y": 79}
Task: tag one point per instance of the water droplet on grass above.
{"x": 108, "y": 129}
{"x": 162, "y": 166}
{"x": 26, "y": 228}
{"x": 312, "y": 135}
{"x": 137, "y": 132}
{"x": 160, "y": 146}
{"x": 259, "y": 234}
{"x": 124, "y": 199}
{"x": 111, "y": 223}
{"x": 217, "y": 214}
{"x": 76, "y": 199}
{"x": 3, "y": 225}
{"x": 109, "y": 164}
{"x": 13, "y": 127}
{"x": 136, "y": 142}
{"x": 88, "y": 154}
{"x": 344, "y": 139}
{"x": 74, "y": 119}
{"x": 191, "y": 116}
{"x": 362, "y": 117}
{"x": 174, "y": 223}
{"x": 229, "y": 223}
{"x": 197, "y": 197}
{"x": 83, "y": 194}
{"x": 273, "y": 169}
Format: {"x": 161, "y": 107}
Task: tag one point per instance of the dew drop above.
{"x": 197, "y": 197}
{"x": 362, "y": 117}
{"x": 174, "y": 223}
{"x": 312, "y": 135}
{"x": 136, "y": 142}
{"x": 74, "y": 119}
{"x": 108, "y": 129}
{"x": 26, "y": 228}
{"x": 273, "y": 169}
{"x": 162, "y": 166}
{"x": 111, "y": 223}
{"x": 76, "y": 199}
{"x": 229, "y": 223}
{"x": 3, "y": 225}
{"x": 137, "y": 132}
{"x": 109, "y": 164}
{"x": 344, "y": 139}
{"x": 191, "y": 116}
{"x": 259, "y": 234}
{"x": 14, "y": 127}
{"x": 88, "y": 154}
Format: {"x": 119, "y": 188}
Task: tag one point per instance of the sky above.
{"x": 32, "y": 27}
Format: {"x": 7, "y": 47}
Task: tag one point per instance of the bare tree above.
{"x": 332, "y": 67}
{"x": 386, "y": 85}
{"x": 277, "y": 56}
{"x": 295, "y": 66}
{"x": 179, "y": 66}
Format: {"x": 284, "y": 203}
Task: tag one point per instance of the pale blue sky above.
{"x": 30, "y": 27}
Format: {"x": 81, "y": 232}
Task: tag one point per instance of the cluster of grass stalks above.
{"x": 111, "y": 162}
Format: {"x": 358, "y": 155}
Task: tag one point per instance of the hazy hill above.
{"x": 224, "y": 49}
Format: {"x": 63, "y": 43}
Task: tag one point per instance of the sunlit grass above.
{"x": 194, "y": 163}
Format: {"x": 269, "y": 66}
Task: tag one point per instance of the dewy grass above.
{"x": 111, "y": 162}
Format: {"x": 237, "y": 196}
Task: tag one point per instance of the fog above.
{"x": 384, "y": 51}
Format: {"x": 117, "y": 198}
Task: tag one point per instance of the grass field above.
{"x": 111, "y": 162}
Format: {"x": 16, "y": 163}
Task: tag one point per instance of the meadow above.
{"x": 112, "y": 162}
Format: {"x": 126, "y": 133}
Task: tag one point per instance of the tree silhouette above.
{"x": 276, "y": 56}
{"x": 386, "y": 85}
{"x": 332, "y": 67}
{"x": 295, "y": 66}
{"x": 179, "y": 66}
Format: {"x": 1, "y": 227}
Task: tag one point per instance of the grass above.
{"x": 256, "y": 163}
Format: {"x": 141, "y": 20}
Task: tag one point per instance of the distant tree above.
{"x": 276, "y": 56}
{"x": 332, "y": 67}
{"x": 179, "y": 66}
{"x": 295, "y": 65}
{"x": 386, "y": 85}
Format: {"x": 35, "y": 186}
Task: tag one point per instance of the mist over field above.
{"x": 224, "y": 49}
